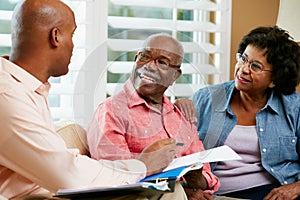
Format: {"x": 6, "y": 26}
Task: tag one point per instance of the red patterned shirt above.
{"x": 124, "y": 124}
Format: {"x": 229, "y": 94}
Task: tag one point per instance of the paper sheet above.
{"x": 221, "y": 153}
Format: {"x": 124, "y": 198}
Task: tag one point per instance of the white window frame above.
{"x": 97, "y": 64}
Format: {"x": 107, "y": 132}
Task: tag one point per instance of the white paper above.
{"x": 190, "y": 168}
{"x": 221, "y": 153}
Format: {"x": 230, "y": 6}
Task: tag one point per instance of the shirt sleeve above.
{"x": 32, "y": 149}
{"x": 106, "y": 135}
{"x": 196, "y": 145}
{"x": 213, "y": 183}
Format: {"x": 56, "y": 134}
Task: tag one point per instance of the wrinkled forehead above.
{"x": 156, "y": 52}
{"x": 163, "y": 45}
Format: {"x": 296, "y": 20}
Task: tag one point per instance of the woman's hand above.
{"x": 187, "y": 108}
{"x": 285, "y": 192}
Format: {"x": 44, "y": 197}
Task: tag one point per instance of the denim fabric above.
{"x": 277, "y": 124}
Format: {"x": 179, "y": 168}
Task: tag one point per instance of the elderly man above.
{"x": 33, "y": 158}
{"x": 140, "y": 114}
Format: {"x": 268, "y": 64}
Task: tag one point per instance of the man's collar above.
{"x": 135, "y": 99}
{"x": 21, "y": 75}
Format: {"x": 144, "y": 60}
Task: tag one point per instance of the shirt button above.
{"x": 272, "y": 170}
{"x": 264, "y": 150}
{"x": 171, "y": 135}
{"x": 293, "y": 140}
{"x": 285, "y": 182}
{"x": 261, "y": 129}
{"x": 189, "y": 137}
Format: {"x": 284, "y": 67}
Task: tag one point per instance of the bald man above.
{"x": 33, "y": 158}
{"x": 140, "y": 114}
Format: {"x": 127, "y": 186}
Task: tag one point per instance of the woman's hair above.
{"x": 281, "y": 52}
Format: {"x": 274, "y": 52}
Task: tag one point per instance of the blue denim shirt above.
{"x": 277, "y": 125}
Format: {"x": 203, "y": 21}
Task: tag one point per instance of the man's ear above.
{"x": 176, "y": 74}
{"x": 54, "y": 37}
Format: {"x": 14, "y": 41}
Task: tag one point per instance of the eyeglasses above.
{"x": 254, "y": 67}
{"x": 161, "y": 62}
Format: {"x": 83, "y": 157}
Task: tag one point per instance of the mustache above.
{"x": 144, "y": 72}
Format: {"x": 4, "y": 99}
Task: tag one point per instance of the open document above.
{"x": 157, "y": 183}
{"x": 180, "y": 166}
{"x": 221, "y": 153}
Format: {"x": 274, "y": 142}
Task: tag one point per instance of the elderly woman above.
{"x": 257, "y": 115}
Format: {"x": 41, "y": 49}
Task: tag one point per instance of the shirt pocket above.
{"x": 287, "y": 148}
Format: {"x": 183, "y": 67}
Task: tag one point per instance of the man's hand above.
{"x": 195, "y": 179}
{"x": 158, "y": 155}
{"x": 186, "y": 106}
{"x": 286, "y": 192}
{"x": 197, "y": 194}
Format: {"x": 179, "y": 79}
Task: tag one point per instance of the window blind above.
{"x": 110, "y": 32}
{"x": 203, "y": 27}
